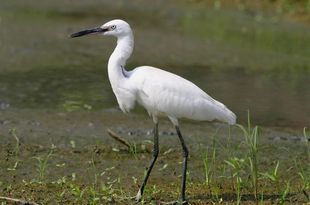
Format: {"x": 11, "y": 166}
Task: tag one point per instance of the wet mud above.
{"x": 80, "y": 155}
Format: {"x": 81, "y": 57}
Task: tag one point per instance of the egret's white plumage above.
{"x": 158, "y": 91}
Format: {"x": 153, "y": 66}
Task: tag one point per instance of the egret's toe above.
{"x": 138, "y": 196}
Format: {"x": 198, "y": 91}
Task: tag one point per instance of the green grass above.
{"x": 245, "y": 173}
{"x": 233, "y": 171}
{"x": 16, "y": 150}
{"x": 42, "y": 163}
{"x": 17, "y": 145}
{"x": 304, "y": 173}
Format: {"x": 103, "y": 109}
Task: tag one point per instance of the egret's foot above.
{"x": 175, "y": 203}
{"x": 184, "y": 203}
{"x": 133, "y": 198}
{"x": 138, "y": 196}
{"x": 169, "y": 203}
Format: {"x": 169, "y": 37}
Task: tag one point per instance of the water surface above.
{"x": 244, "y": 60}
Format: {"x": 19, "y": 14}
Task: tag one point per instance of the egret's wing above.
{"x": 162, "y": 91}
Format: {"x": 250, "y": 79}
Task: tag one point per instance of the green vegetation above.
{"x": 16, "y": 150}
{"x": 209, "y": 164}
{"x": 304, "y": 172}
{"x": 17, "y": 145}
{"x": 42, "y": 165}
{"x": 238, "y": 170}
{"x": 245, "y": 172}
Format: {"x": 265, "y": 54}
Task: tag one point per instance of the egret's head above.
{"x": 116, "y": 28}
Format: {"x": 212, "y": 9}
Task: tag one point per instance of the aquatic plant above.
{"x": 307, "y": 144}
{"x": 285, "y": 193}
{"x": 17, "y": 144}
{"x": 77, "y": 192}
{"x": 209, "y": 164}
{"x": 251, "y": 141}
{"x": 237, "y": 168}
{"x": 303, "y": 173}
{"x": 42, "y": 165}
{"x": 273, "y": 175}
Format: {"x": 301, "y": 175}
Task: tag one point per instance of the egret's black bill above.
{"x": 88, "y": 31}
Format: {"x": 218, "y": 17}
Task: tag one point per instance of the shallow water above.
{"x": 244, "y": 61}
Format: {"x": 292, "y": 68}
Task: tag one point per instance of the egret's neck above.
{"x": 118, "y": 59}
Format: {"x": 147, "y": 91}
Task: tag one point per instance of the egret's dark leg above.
{"x": 155, "y": 155}
{"x": 185, "y": 156}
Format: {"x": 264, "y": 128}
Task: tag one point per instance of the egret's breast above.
{"x": 125, "y": 99}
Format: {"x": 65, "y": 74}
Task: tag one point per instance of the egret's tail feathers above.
{"x": 225, "y": 115}
{"x": 230, "y": 118}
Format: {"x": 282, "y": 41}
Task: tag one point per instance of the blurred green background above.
{"x": 248, "y": 54}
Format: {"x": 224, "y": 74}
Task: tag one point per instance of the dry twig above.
{"x": 119, "y": 138}
{"x": 21, "y": 201}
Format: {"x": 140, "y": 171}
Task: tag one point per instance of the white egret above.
{"x": 158, "y": 91}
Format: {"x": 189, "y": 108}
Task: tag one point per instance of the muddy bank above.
{"x": 57, "y": 127}
{"x": 80, "y": 155}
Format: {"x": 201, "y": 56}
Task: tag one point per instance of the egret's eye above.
{"x": 113, "y": 27}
